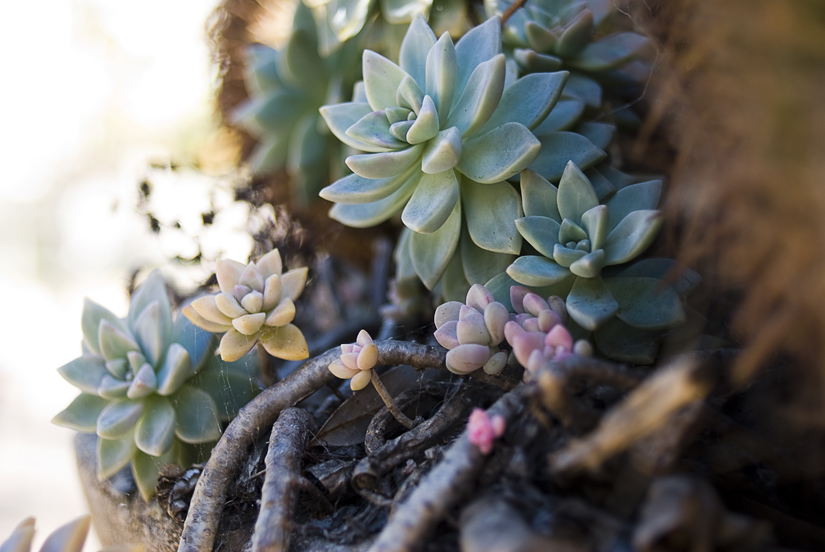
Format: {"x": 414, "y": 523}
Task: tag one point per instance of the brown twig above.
{"x": 282, "y": 483}
{"x": 201, "y": 524}
{"x": 442, "y": 488}
{"x": 514, "y": 7}
{"x": 388, "y": 401}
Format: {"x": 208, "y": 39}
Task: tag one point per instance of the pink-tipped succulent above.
{"x": 472, "y": 332}
{"x": 537, "y": 332}
{"x": 482, "y": 429}
{"x": 357, "y": 361}
{"x": 255, "y": 304}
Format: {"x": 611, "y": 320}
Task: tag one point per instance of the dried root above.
{"x": 283, "y": 480}
{"x": 449, "y": 482}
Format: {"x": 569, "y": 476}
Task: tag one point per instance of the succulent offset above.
{"x": 256, "y": 303}
{"x": 549, "y": 35}
{"x": 357, "y": 361}
{"x": 286, "y": 88}
{"x": 473, "y": 332}
{"x": 577, "y": 237}
{"x": 432, "y": 130}
{"x": 150, "y": 390}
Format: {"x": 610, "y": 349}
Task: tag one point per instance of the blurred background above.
{"x": 98, "y": 97}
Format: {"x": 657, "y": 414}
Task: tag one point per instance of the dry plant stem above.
{"x": 442, "y": 488}
{"x": 554, "y": 378}
{"x": 508, "y": 13}
{"x": 648, "y": 408}
{"x": 283, "y": 480}
{"x": 405, "y": 446}
{"x": 389, "y": 402}
{"x": 201, "y": 524}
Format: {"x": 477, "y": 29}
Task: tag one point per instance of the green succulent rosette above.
{"x": 286, "y": 87}
{"x": 384, "y": 21}
{"x": 442, "y": 133}
{"x": 150, "y": 387}
{"x": 584, "y": 248}
{"x": 550, "y": 35}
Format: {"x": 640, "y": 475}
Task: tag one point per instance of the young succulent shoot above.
{"x": 537, "y": 332}
{"x": 356, "y": 364}
{"x": 482, "y": 430}
{"x": 255, "y": 304}
{"x": 149, "y": 387}
{"x": 576, "y": 238}
{"x": 286, "y": 87}
{"x": 550, "y": 35}
{"x": 66, "y": 538}
{"x": 431, "y": 130}
{"x": 472, "y": 332}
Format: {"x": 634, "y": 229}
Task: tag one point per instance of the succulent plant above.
{"x": 66, "y": 538}
{"x": 149, "y": 388}
{"x": 472, "y": 332}
{"x": 433, "y": 129}
{"x": 577, "y": 237}
{"x": 255, "y": 304}
{"x": 537, "y": 332}
{"x": 550, "y": 35}
{"x": 286, "y": 87}
{"x": 357, "y": 361}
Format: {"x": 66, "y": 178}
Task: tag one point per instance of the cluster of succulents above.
{"x": 286, "y": 87}
{"x": 149, "y": 388}
{"x": 584, "y": 247}
{"x": 66, "y": 538}
{"x": 255, "y": 304}
{"x": 549, "y": 35}
{"x": 357, "y": 361}
{"x": 538, "y": 333}
{"x": 473, "y": 332}
{"x": 431, "y": 129}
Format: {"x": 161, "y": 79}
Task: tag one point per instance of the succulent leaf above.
{"x": 539, "y": 197}
{"x": 590, "y": 304}
{"x": 146, "y": 469}
{"x": 69, "y": 537}
{"x": 293, "y": 282}
{"x": 646, "y": 303}
{"x": 610, "y": 52}
{"x": 485, "y": 160}
{"x": 21, "y": 537}
{"x": 636, "y": 197}
{"x": 480, "y": 97}
{"x": 155, "y": 430}
{"x": 374, "y": 128}
{"x": 426, "y": 124}
{"x": 443, "y": 152}
{"x": 177, "y": 368}
{"x": 632, "y": 236}
{"x": 441, "y": 72}
{"x": 113, "y": 455}
{"x": 589, "y": 265}
{"x": 491, "y": 211}
{"x": 624, "y": 343}
{"x": 228, "y": 273}
{"x": 118, "y": 418}
{"x": 478, "y": 264}
{"x": 665, "y": 270}
{"x": 93, "y": 315}
{"x": 535, "y": 271}
{"x": 81, "y": 414}
{"x": 576, "y": 35}
{"x": 151, "y": 291}
{"x": 414, "y": 48}
{"x": 234, "y": 345}
{"x": 527, "y": 101}
{"x": 376, "y": 212}
{"x": 560, "y": 148}
{"x": 432, "y": 202}
{"x": 576, "y": 194}
{"x": 196, "y": 420}
{"x": 599, "y": 134}
{"x": 144, "y": 383}
{"x": 342, "y": 116}
{"x": 149, "y": 331}
{"x": 281, "y": 315}
{"x": 564, "y": 115}
{"x": 286, "y": 342}
{"x": 541, "y": 232}
{"x": 85, "y": 372}
{"x": 384, "y": 165}
{"x": 432, "y": 252}
{"x": 479, "y": 44}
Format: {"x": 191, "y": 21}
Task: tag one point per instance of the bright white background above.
{"x": 91, "y": 91}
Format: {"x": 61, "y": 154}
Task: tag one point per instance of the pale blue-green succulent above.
{"x": 286, "y": 87}
{"x": 550, "y": 35}
{"x": 576, "y": 237}
{"x": 443, "y": 131}
{"x": 150, "y": 386}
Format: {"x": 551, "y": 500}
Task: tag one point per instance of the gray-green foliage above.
{"x": 150, "y": 386}
{"x": 442, "y": 132}
{"x": 577, "y": 237}
{"x": 550, "y": 35}
{"x": 286, "y": 88}
{"x": 66, "y": 538}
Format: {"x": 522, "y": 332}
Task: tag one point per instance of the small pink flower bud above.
{"x": 481, "y": 430}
